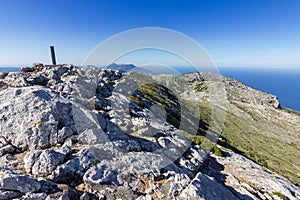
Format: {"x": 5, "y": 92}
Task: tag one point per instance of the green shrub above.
{"x": 217, "y": 151}
{"x": 200, "y": 87}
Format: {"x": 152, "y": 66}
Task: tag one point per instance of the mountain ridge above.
{"x": 69, "y": 132}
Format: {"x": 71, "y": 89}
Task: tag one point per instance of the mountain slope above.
{"x": 88, "y": 133}
{"x": 254, "y": 124}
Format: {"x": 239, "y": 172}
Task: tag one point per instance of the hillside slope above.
{"x": 88, "y": 133}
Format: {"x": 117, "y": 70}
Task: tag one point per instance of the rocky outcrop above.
{"x": 39, "y": 113}
{"x": 208, "y": 189}
{"x": 248, "y": 179}
{"x": 88, "y": 133}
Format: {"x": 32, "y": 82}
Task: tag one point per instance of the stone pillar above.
{"x": 53, "y": 55}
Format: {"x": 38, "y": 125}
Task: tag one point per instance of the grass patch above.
{"x": 280, "y": 195}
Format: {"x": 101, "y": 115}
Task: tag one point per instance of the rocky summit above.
{"x": 87, "y": 133}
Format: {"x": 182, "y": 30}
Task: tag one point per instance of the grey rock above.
{"x": 101, "y": 174}
{"x": 63, "y": 134}
{"x": 69, "y": 194}
{"x": 30, "y": 118}
{"x": 136, "y": 185}
{"x": 178, "y": 183}
{"x": 40, "y": 80}
{"x": 68, "y": 172}
{"x": 237, "y": 167}
{"x": 38, "y": 121}
{"x": 127, "y": 145}
{"x": 205, "y": 187}
{"x": 13, "y": 181}
{"x": 93, "y": 136}
{"x": 163, "y": 141}
{"x": 33, "y": 196}
{"x": 73, "y": 170}
{"x": 43, "y": 162}
{"x": 38, "y": 65}
{"x": 8, "y": 161}
{"x": 48, "y": 186}
{"x": 15, "y": 79}
{"x": 3, "y": 85}
{"x": 3, "y": 75}
{"x": 5, "y": 195}
{"x": 57, "y": 72}
{"x": 6, "y": 149}
{"x": 3, "y": 142}
{"x": 193, "y": 159}
{"x": 90, "y": 196}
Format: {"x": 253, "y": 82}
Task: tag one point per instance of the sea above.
{"x": 284, "y": 83}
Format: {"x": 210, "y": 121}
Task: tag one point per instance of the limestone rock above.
{"x": 204, "y": 187}
{"x": 3, "y": 75}
{"x": 31, "y": 117}
{"x": 12, "y": 181}
{"x": 245, "y": 175}
{"x": 4, "y": 195}
{"x": 43, "y": 162}
{"x": 103, "y": 173}
{"x": 73, "y": 170}
{"x": 33, "y": 196}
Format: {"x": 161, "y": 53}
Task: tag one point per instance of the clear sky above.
{"x": 235, "y": 33}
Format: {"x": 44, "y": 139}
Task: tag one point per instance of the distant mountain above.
{"x": 128, "y": 68}
{"x": 121, "y": 67}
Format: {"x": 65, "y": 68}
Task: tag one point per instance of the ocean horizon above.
{"x": 282, "y": 83}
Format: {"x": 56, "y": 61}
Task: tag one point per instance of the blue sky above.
{"x": 235, "y": 33}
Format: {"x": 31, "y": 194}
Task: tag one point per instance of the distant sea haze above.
{"x": 10, "y": 69}
{"x": 285, "y": 84}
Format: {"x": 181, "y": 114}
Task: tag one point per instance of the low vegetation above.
{"x": 258, "y": 139}
{"x": 200, "y": 87}
{"x": 280, "y": 195}
{"x": 248, "y": 138}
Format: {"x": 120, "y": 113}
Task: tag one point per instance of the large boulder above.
{"x": 31, "y": 117}
{"x": 12, "y": 181}
{"x": 43, "y": 162}
{"x": 4, "y": 195}
{"x": 73, "y": 170}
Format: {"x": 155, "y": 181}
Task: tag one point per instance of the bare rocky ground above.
{"x": 75, "y": 133}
